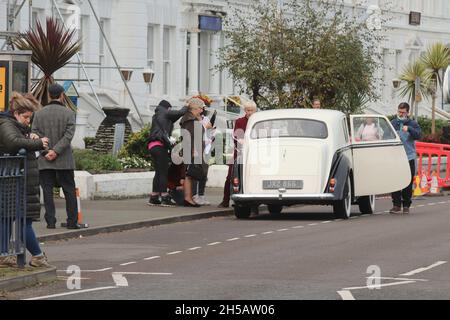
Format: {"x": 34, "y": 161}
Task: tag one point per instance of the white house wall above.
{"x": 126, "y": 26}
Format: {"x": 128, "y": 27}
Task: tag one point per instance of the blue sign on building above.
{"x": 210, "y": 23}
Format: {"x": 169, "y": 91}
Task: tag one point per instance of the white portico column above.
{"x": 215, "y": 75}
{"x": 193, "y": 63}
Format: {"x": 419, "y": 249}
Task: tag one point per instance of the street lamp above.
{"x": 396, "y": 83}
{"x": 126, "y": 74}
{"x": 148, "y": 75}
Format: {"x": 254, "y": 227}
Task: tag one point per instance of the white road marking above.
{"x": 71, "y": 293}
{"x": 152, "y": 258}
{"x": 281, "y": 230}
{"x": 233, "y": 239}
{"x": 268, "y": 232}
{"x": 338, "y": 220}
{"x": 434, "y": 265}
{"x": 250, "y": 236}
{"x": 420, "y": 206}
{"x": 312, "y": 224}
{"x": 121, "y": 281}
{"x": 128, "y": 263}
{"x": 99, "y": 270}
{"x": 214, "y": 243}
{"x": 297, "y": 227}
{"x": 194, "y": 248}
{"x": 72, "y": 278}
{"x": 442, "y": 202}
{"x": 346, "y": 295}
{"x": 354, "y": 217}
{"x": 174, "y": 252}
{"x": 397, "y": 279}
{"x": 381, "y": 285}
{"x": 431, "y": 204}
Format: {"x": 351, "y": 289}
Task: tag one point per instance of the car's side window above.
{"x": 345, "y": 128}
{"x": 371, "y": 129}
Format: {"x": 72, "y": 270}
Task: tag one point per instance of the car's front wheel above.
{"x": 367, "y": 204}
{"x": 343, "y": 208}
{"x": 242, "y": 212}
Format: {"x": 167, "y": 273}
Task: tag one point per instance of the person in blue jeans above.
{"x": 15, "y": 135}
{"x": 409, "y": 131}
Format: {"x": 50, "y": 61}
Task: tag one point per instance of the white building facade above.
{"x": 164, "y": 35}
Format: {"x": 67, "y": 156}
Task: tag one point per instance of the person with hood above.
{"x": 15, "y": 135}
{"x": 159, "y": 146}
{"x": 409, "y": 131}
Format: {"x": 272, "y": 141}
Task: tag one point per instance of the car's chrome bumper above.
{"x": 283, "y": 197}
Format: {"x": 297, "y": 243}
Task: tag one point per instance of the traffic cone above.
{"x": 424, "y": 184}
{"x": 417, "y": 190}
{"x": 435, "y": 190}
{"x": 80, "y": 213}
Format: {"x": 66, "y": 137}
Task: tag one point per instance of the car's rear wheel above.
{"x": 343, "y": 208}
{"x": 242, "y": 212}
{"x": 367, "y": 204}
{"x": 275, "y": 210}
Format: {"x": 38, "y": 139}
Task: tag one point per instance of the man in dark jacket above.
{"x": 56, "y": 167}
{"x": 409, "y": 131}
{"x": 159, "y": 146}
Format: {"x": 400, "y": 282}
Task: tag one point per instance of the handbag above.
{"x": 195, "y": 171}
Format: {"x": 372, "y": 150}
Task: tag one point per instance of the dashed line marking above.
{"x": 346, "y": 295}
{"x": 214, "y": 243}
{"x": 326, "y": 221}
{"x": 281, "y": 230}
{"x": 297, "y": 227}
{"x": 268, "y": 232}
{"x": 420, "y": 206}
{"x": 233, "y": 239}
{"x": 152, "y": 258}
{"x": 250, "y": 236}
{"x": 194, "y": 248}
{"x": 128, "y": 263}
{"x": 442, "y": 202}
{"x": 174, "y": 252}
{"x": 312, "y": 224}
{"x": 432, "y": 204}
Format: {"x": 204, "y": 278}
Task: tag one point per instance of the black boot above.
{"x": 166, "y": 201}
{"x": 154, "y": 201}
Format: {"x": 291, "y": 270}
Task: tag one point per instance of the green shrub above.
{"x": 89, "y": 142}
{"x": 94, "y": 162}
{"x": 137, "y": 145}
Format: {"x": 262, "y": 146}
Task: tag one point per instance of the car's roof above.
{"x": 328, "y": 116}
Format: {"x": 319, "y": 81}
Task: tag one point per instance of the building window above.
{"x": 166, "y": 60}
{"x": 151, "y": 50}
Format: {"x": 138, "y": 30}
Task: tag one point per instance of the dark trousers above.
{"x": 160, "y": 157}
{"x": 226, "y": 188}
{"x": 65, "y": 179}
{"x": 404, "y": 196}
{"x": 199, "y": 186}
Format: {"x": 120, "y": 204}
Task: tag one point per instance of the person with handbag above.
{"x": 193, "y": 148}
{"x": 160, "y": 143}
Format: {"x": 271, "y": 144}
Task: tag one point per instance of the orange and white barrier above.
{"x": 439, "y": 151}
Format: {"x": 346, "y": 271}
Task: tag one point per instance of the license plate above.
{"x": 282, "y": 184}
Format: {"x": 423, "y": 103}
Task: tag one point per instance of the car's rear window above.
{"x": 289, "y": 128}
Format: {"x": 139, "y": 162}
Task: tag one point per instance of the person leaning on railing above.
{"x": 15, "y": 135}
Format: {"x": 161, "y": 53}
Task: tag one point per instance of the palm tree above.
{"x": 414, "y": 70}
{"x": 435, "y": 59}
{"x": 51, "y": 50}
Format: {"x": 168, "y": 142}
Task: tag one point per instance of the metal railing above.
{"x": 13, "y": 206}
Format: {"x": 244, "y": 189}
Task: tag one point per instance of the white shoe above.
{"x": 198, "y": 200}
{"x": 205, "y": 201}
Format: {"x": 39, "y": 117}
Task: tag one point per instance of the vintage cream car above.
{"x": 309, "y": 156}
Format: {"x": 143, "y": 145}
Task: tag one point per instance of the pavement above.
{"x": 118, "y": 215}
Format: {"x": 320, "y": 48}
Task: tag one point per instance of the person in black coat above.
{"x": 159, "y": 146}
{"x": 15, "y": 135}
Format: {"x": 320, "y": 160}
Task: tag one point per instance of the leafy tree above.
{"x": 286, "y": 56}
{"x": 436, "y": 58}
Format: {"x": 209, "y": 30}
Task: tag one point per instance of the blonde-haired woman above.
{"x": 193, "y": 147}
{"x": 15, "y": 135}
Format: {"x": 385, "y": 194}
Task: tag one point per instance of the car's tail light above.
{"x": 332, "y": 184}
